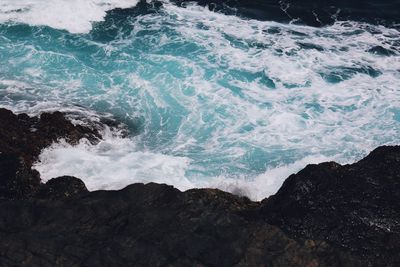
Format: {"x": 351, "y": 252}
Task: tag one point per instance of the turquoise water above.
{"x": 209, "y": 99}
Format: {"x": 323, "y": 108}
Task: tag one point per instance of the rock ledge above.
{"x": 325, "y": 215}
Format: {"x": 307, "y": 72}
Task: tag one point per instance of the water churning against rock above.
{"x": 210, "y": 99}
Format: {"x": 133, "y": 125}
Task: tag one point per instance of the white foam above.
{"x": 112, "y": 164}
{"x": 115, "y": 163}
{"x": 76, "y": 16}
{"x": 352, "y": 114}
{"x": 200, "y": 118}
{"x": 265, "y": 184}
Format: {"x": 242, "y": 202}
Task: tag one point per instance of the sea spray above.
{"x": 210, "y": 99}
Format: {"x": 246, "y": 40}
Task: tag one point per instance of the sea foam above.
{"x": 76, "y": 16}
{"x": 116, "y": 162}
{"x": 213, "y": 100}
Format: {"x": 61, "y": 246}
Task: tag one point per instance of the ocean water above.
{"x": 210, "y": 99}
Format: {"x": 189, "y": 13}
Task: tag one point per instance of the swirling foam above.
{"x": 75, "y": 16}
{"x": 112, "y": 164}
{"x": 116, "y": 162}
{"x": 218, "y": 100}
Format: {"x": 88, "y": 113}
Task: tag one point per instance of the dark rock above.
{"x": 150, "y": 225}
{"x": 21, "y": 140}
{"x": 27, "y": 136}
{"x": 62, "y": 187}
{"x": 17, "y": 180}
{"x": 354, "y": 207}
{"x": 326, "y": 215}
{"x": 309, "y": 12}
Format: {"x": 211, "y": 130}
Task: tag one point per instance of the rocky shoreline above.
{"x": 325, "y": 215}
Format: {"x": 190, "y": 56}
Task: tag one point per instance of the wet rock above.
{"x": 355, "y": 207}
{"x": 17, "y": 180}
{"x": 309, "y": 12}
{"x": 62, "y": 187}
{"x": 21, "y": 140}
{"x": 150, "y": 225}
{"x": 326, "y": 215}
{"x": 26, "y": 136}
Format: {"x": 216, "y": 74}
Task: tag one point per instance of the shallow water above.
{"x": 210, "y": 99}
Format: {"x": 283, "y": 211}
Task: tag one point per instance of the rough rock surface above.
{"x": 26, "y": 136}
{"x": 150, "y": 225}
{"x": 356, "y": 207}
{"x": 326, "y": 215}
{"x": 21, "y": 140}
{"x": 17, "y": 180}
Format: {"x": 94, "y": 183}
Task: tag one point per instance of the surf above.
{"x": 209, "y": 99}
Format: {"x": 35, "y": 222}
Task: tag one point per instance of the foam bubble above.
{"x": 221, "y": 100}
{"x": 112, "y": 164}
{"x": 75, "y": 16}
{"x": 116, "y": 162}
{"x": 265, "y": 184}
